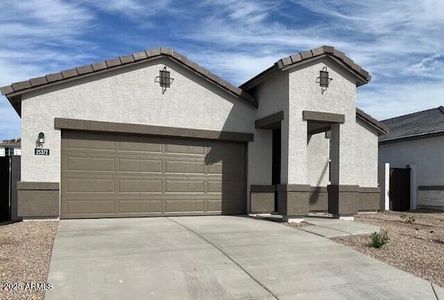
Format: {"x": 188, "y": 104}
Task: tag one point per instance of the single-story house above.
{"x": 154, "y": 134}
{"x": 415, "y": 144}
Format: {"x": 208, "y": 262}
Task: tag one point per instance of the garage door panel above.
{"x": 140, "y": 186}
{"x": 214, "y": 186}
{"x": 185, "y": 149}
{"x": 91, "y": 207}
{"x": 214, "y": 205}
{"x": 184, "y": 167}
{"x": 78, "y": 185}
{"x": 140, "y": 144}
{"x": 185, "y": 205}
{"x": 140, "y": 206}
{"x": 90, "y": 164}
{"x": 143, "y": 176}
{"x": 77, "y": 140}
{"x": 139, "y": 165}
{"x": 185, "y": 186}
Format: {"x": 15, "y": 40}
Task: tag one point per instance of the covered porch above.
{"x": 322, "y": 191}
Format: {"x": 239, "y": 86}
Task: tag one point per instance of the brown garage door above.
{"x": 110, "y": 175}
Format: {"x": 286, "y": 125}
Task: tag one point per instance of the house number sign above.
{"x": 41, "y": 151}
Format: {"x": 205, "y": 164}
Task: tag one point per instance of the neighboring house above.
{"x": 416, "y": 142}
{"x": 153, "y": 134}
{"x": 10, "y": 148}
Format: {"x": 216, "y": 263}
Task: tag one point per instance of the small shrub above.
{"x": 379, "y": 239}
{"x": 408, "y": 219}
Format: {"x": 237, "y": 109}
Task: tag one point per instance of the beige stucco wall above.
{"x": 128, "y": 96}
{"x": 426, "y": 155}
{"x": 318, "y": 157}
{"x": 340, "y": 98}
{"x": 366, "y": 155}
{"x": 272, "y": 96}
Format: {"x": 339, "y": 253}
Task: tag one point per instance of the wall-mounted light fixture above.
{"x": 40, "y": 140}
{"x": 324, "y": 79}
{"x": 164, "y": 79}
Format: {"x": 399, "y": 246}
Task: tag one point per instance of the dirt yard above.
{"x": 25, "y": 251}
{"x": 416, "y": 247}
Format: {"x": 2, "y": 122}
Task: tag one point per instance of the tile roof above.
{"x": 18, "y": 88}
{"x": 300, "y": 57}
{"x": 415, "y": 125}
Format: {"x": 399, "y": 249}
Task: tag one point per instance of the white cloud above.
{"x": 136, "y": 10}
{"x": 235, "y": 66}
{"x": 388, "y": 100}
{"x": 399, "y": 42}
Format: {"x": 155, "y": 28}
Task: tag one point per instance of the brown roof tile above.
{"x": 85, "y": 69}
{"x": 99, "y": 66}
{"x": 38, "y": 81}
{"x": 306, "y": 54}
{"x": 286, "y": 61}
{"x": 318, "y": 51}
{"x": 296, "y": 57}
{"x": 113, "y": 62}
{"x": 127, "y": 59}
{"x": 299, "y": 57}
{"x": 21, "y": 85}
{"x": 69, "y": 73}
{"x": 139, "y": 55}
{"x": 54, "y": 77}
{"x": 6, "y": 89}
{"x": 153, "y": 52}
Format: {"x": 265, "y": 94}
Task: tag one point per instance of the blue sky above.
{"x": 401, "y": 43}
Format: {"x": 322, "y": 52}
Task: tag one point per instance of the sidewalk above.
{"x": 329, "y": 227}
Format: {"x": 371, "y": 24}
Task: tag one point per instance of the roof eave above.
{"x": 284, "y": 63}
{"x": 19, "y": 88}
{"x": 411, "y": 137}
{"x": 380, "y": 127}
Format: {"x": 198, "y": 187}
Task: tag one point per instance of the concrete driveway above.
{"x": 215, "y": 258}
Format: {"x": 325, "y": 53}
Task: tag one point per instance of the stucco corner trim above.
{"x": 140, "y": 129}
{"x": 322, "y": 117}
{"x": 27, "y": 185}
{"x": 254, "y": 188}
{"x": 369, "y": 189}
{"x": 293, "y": 188}
{"x": 270, "y": 121}
{"x": 343, "y": 188}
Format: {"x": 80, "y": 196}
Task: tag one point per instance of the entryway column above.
{"x": 341, "y": 198}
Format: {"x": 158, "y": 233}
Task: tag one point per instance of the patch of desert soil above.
{"x": 417, "y": 248}
{"x": 25, "y": 252}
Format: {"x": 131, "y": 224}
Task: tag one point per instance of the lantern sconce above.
{"x": 40, "y": 140}
{"x": 164, "y": 79}
{"x": 323, "y": 79}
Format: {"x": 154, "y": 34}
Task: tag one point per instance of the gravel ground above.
{"x": 417, "y": 248}
{"x": 25, "y": 251}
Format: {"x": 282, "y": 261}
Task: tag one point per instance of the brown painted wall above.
{"x": 38, "y": 199}
{"x": 318, "y": 199}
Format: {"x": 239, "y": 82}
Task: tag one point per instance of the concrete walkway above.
{"x": 329, "y": 227}
{"x": 215, "y": 258}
